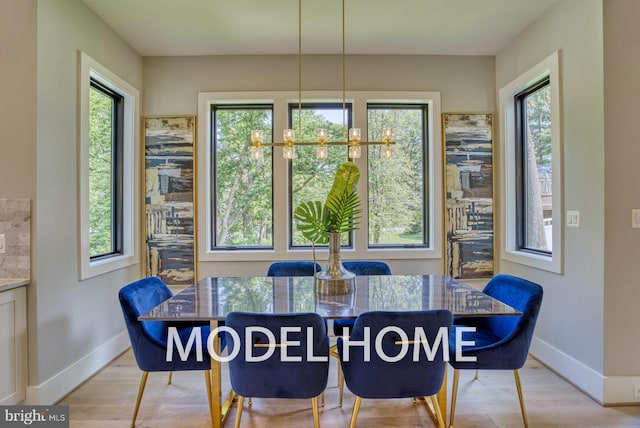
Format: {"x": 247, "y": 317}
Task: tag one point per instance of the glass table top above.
{"x": 214, "y": 297}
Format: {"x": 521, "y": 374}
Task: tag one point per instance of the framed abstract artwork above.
{"x": 169, "y": 148}
{"x": 468, "y": 193}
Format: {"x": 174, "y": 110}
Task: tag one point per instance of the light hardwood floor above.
{"x": 107, "y": 401}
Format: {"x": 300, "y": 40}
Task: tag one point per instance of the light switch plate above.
{"x": 573, "y": 218}
{"x": 635, "y": 218}
{"x": 3, "y": 243}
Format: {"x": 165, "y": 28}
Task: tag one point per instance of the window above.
{"x": 105, "y": 171}
{"x": 108, "y": 185}
{"x": 533, "y": 168}
{"x": 397, "y": 186}
{"x": 311, "y": 177}
{"x": 532, "y": 172}
{"x": 242, "y": 207}
{"x": 246, "y": 207}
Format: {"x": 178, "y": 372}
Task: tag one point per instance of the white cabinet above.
{"x": 13, "y": 345}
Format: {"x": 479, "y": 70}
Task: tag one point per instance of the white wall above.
{"x": 172, "y": 85}
{"x": 18, "y": 102}
{"x": 569, "y": 335}
{"x": 75, "y": 327}
{"x": 622, "y": 175}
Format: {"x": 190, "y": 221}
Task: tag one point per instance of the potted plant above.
{"x": 324, "y": 223}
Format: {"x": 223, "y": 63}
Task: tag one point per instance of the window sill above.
{"x": 539, "y": 261}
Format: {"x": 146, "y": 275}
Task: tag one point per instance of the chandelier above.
{"x": 354, "y": 140}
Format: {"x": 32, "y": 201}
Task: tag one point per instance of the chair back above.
{"x": 393, "y": 372}
{"x": 138, "y": 298}
{"x": 149, "y": 338}
{"x": 274, "y": 377}
{"x": 293, "y": 268}
{"x": 367, "y": 267}
{"x": 520, "y": 294}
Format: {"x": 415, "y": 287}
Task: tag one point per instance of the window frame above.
{"x": 128, "y": 255}
{"x": 349, "y": 121}
{"x": 426, "y": 205}
{"x": 281, "y": 100}
{"x": 212, "y": 177}
{"x": 521, "y": 162}
{"x": 117, "y": 147}
{"x": 510, "y": 251}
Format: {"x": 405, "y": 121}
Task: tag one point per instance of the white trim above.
{"x": 554, "y": 263}
{"x": 618, "y": 390}
{"x": 65, "y": 381}
{"x": 583, "y": 377}
{"x": 280, "y": 100}
{"x": 89, "y": 68}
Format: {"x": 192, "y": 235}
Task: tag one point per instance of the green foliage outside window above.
{"x": 396, "y": 185}
{"x": 100, "y": 173}
{"x": 243, "y": 187}
{"x": 312, "y": 177}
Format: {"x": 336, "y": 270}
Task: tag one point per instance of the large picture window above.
{"x": 243, "y": 202}
{"x": 397, "y": 186}
{"x": 246, "y": 205}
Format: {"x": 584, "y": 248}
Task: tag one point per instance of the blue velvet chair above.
{"x": 501, "y": 343}
{"x": 359, "y": 268}
{"x": 404, "y": 377}
{"x": 273, "y": 377}
{"x": 293, "y": 268}
{"x": 149, "y": 338}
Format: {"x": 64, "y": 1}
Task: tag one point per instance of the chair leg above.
{"x": 340, "y": 384}
{"x": 436, "y": 407}
{"x": 207, "y": 382}
{"x": 356, "y": 409}
{"x": 454, "y": 395}
{"x": 143, "y": 383}
{"x": 250, "y": 402}
{"x": 476, "y": 376}
{"x": 316, "y": 415}
{"x": 516, "y": 376}
{"x": 322, "y": 399}
{"x": 170, "y": 378}
{"x": 239, "y": 410}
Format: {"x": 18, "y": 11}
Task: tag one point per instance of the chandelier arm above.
{"x": 320, "y": 143}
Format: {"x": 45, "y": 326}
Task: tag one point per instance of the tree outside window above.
{"x": 397, "y": 197}
{"x": 243, "y": 207}
{"x": 533, "y": 111}
{"x": 105, "y": 218}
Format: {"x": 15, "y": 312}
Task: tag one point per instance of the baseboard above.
{"x": 62, "y": 383}
{"x": 619, "y": 390}
{"x": 581, "y": 376}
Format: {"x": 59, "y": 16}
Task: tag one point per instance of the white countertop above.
{"x": 8, "y": 284}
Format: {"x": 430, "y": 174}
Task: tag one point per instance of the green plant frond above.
{"x": 342, "y": 199}
{"x": 340, "y": 211}
{"x": 311, "y": 220}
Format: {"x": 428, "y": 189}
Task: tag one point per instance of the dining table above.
{"x": 212, "y": 298}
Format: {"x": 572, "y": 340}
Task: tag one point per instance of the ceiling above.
{"x": 250, "y": 27}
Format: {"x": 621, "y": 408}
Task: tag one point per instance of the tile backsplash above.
{"x": 15, "y": 225}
